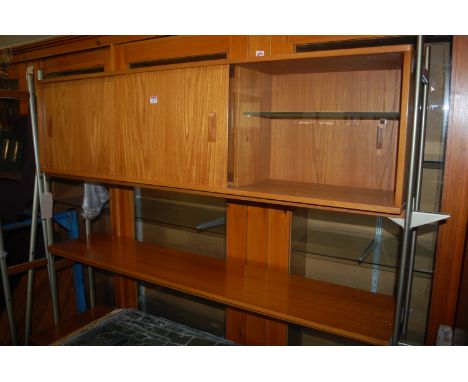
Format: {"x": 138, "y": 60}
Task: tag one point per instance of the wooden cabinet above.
{"x": 324, "y": 129}
{"x": 328, "y": 129}
{"x": 161, "y": 128}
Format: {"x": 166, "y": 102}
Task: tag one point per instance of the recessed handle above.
{"x": 380, "y": 131}
{"x": 50, "y": 128}
{"x": 211, "y": 127}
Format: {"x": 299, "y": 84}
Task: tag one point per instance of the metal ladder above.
{"x": 42, "y": 202}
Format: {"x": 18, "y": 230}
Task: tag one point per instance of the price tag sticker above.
{"x": 153, "y": 99}
{"x": 259, "y": 53}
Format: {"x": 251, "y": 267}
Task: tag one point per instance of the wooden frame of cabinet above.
{"x": 192, "y": 98}
{"x": 242, "y": 47}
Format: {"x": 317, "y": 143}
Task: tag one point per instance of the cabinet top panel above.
{"x": 372, "y": 58}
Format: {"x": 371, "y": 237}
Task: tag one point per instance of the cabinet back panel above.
{"x": 179, "y": 137}
{"x": 341, "y": 153}
{"x": 335, "y": 152}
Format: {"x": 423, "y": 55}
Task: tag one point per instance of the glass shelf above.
{"x": 433, "y": 164}
{"x": 324, "y": 115}
{"x": 386, "y": 262}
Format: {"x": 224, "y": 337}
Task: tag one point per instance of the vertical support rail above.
{"x": 409, "y": 201}
{"x": 7, "y": 291}
{"x": 32, "y": 255}
{"x": 417, "y": 197}
{"x": 139, "y": 237}
{"x": 376, "y": 257}
{"x": 92, "y": 287}
{"x": 44, "y": 187}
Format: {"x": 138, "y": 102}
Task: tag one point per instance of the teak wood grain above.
{"x": 96, "y": 58}
{"x": 344, "y": 311}
{"x": 327, "y": 153}
{"x": 170, "y": 47}
{"x": 108, "y": 127}
{"x": 173, "y": 126}
{"x": 122, "y": 216}
{"x": 350, "y": 59}
{"x": 287, "y": 44}
{"x": 67, "y": 45}
{"x": 261, "y": 236}
{"x": 180, "y": 140}
{"x": 77, "y": 127}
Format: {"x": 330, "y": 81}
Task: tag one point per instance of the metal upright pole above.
{"x": 43, "y": 186}
{"x": 92, "y": 287}
{"x": 417, "y": 193}
{"x": 409, "y": 200}
{"x": 32, "y": 255}
{"x": 7, "y": 291}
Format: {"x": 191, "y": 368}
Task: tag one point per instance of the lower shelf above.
{"x": 343, "y": 311}
{"x": 379, "y": 201}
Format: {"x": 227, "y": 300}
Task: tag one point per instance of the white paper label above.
{"x": 259, "y": 53}
{"x": 153, "y": 99}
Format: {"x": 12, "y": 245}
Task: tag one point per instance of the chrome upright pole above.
{"x": 92, "y": 287}
{"x": 32, "y": 255}
{"x": 417, "y": 197}
{"x": 43, "y": 185}
{"x": 409, "y": 200}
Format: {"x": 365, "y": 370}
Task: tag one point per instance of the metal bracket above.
{"x": 420, "y": 218}
{"x": 211, "y": 224}
{"x": 3, "y": 255}
{"x": 425, "y": 76}
{"x": 367, "y": 251}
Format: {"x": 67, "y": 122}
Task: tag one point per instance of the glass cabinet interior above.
{"x": 191, "y": 223}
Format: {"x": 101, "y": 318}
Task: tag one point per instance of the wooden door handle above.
{"x": 50, "y": 129}
{"x": 211, "y": 127}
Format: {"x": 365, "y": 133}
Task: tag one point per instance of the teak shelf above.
{"x": 336, "y": 309}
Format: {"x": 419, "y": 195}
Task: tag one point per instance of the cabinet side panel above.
{"x": 406, "y": 120}
{"x": 261, "y": 236}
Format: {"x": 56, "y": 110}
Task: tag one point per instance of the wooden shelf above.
{"x": 379, "y": 201}
{"x": 13, "y": 94}
{"x": 324, "y": 115}
{"x": 343, "y": 311}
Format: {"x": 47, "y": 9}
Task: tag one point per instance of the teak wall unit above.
{"x": 322, "y": 129}
{"x": 242, "y": 127}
